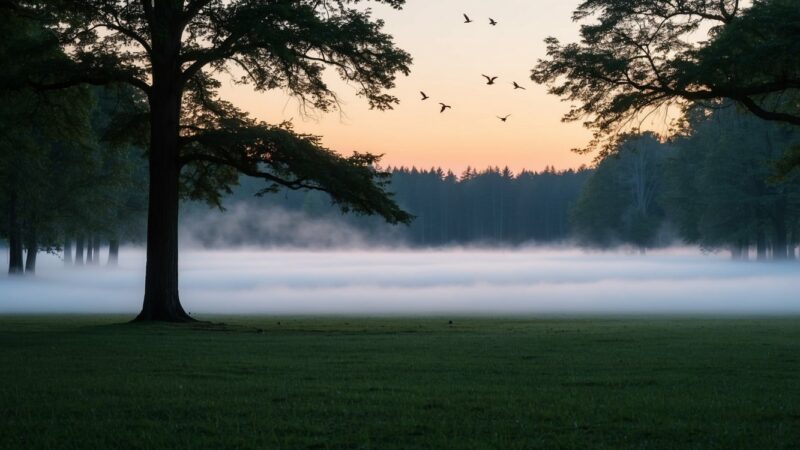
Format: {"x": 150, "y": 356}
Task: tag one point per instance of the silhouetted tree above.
{"x": 635, "y": 57}
{"x": 172, "y": 49}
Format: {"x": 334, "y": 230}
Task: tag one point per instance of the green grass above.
{"x": 681, "y": 383}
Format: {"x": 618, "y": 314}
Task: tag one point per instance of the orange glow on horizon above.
{"x": 449, "y": 58}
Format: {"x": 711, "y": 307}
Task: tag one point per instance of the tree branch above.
{"x": 293, "y": 184}
{"x": 757, "y": 110}
{"x": 95, "y": 81}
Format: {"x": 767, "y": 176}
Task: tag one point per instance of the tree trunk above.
{"x": 96, "y": 250}
{"x": 68, "y": 252}
{"x": 779, "y": 246}
{"x": 780, "y": 249}
{"x": 14, "y": 238}
{"x": 89, "y": 248}
{"x": 761, "y": 246}
{"x": 161, "y": 299}
{"x": 79, "y": 251}
{"x": 113, "y": 253}
{"x": 32, "y": 248}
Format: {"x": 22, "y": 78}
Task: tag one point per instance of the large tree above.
{"x": 174, "y": 52}
{"x": 638, "y": 57}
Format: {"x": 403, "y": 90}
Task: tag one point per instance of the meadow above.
{"x": 279, "y": 382}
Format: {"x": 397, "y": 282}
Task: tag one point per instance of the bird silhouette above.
{"x": 517, "y": 86}
{"x": 424, "y": 96}
{"x": 489, "y": 80}
{"x": 445, "y": 107}
{"x": 492, "y": 22}
{"x": 467, "y": 19}
{"x": 504, "y": 119}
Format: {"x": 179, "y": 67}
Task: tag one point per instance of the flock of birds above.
{"x": 490, "y": 80}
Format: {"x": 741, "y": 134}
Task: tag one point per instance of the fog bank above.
{"x": 242, "y": 225}
{"x": 524, "y": 282}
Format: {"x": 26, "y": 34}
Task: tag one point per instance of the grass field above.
{"x": 304, "y": 383}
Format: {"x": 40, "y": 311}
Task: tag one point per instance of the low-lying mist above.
{"x": 245, "y": 225}
{"x": 454, "y": 281}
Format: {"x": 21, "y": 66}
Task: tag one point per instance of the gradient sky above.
{"x": 449, "y": 58}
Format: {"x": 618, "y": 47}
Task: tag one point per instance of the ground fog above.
{"x": 455, "y": 281}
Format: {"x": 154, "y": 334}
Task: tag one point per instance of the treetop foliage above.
{"x": 283, "y": 44}
{"x": 638, "y": 57}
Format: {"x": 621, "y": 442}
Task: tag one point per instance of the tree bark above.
{"x": 781, "y": 243}
{"x": 113, "y": 253}
{"x": 780, "y": 249}
{"x": 761, "y": 246}
{"x": 96, "y": 250}
{"x": 32, "y": 248}
{"x": 161, "y": 299}
{"x": 79, "y": 251}
{"x": 67, "y": 252}
{"x": 89, "y": 248}
{"x": 15, "y": 266}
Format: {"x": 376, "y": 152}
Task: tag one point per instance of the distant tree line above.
{"x": 492, "y": 206}
{"x": 489, "y": 206}
{"x": 76, "y": 187}
{"x": 713, "y": 185}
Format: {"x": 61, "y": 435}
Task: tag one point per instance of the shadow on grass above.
{"x": 171, "y": 327}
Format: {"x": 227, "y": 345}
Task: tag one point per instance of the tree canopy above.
{"x": 268, "y": 45}
{"x": 638, "y": 57}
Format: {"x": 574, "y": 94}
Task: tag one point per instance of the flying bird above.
{"x": 517, "y": 86}
{"x": 467, "y": 19}
{"x": 445, "y": 107}
{"x": 504, "y": 119}
{"x": 492, "y": 22}
{"x": 489, "y": 80}
{"x": 424, "y": 96}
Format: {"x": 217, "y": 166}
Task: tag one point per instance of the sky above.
{"x": 449, "y": 59}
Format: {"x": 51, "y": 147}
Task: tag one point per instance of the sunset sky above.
{"x": 449, "y": 58}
